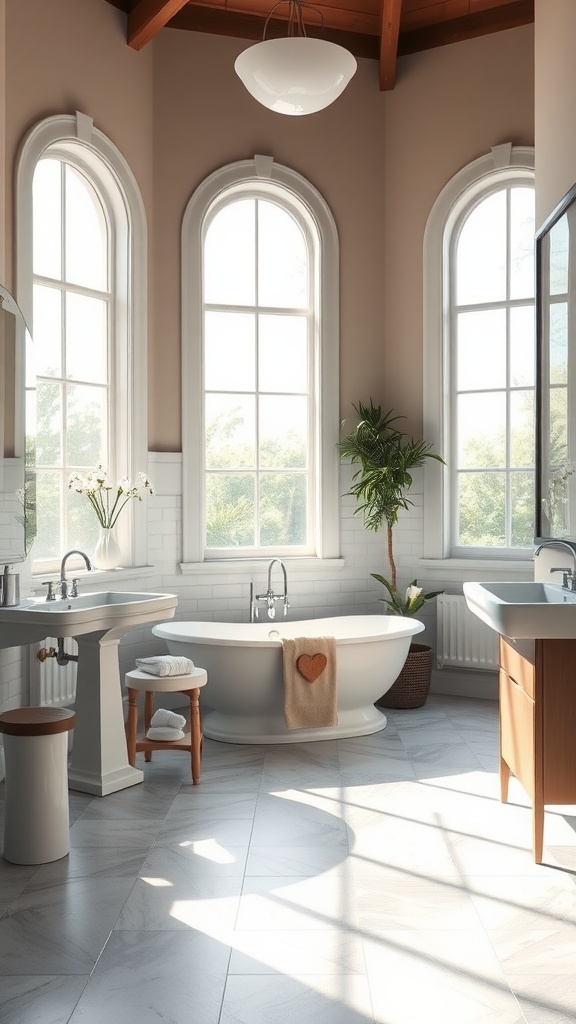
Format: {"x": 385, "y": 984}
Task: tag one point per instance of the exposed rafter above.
{"x": 389, "y": 31}
{"x": 380, "y": 30}
{"x": 147, "y": 18}
{"x": 478, "y": 23}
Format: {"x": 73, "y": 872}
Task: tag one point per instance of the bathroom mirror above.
{"x": 556, "y": 373}
{"x": 17, "y": 433}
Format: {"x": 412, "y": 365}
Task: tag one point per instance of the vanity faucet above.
{"x": 69, "y": 588}
{"x": 568, "y": 575}
{"x": 270, "y": 597}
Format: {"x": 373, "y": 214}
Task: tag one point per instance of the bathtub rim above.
{"x": 180, "y": 631}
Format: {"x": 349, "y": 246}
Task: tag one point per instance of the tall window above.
{"x": 258, "y": 379}
{"x": 493, "y": 365}
{"x": 480, "y": 360}
{"x": 257, "y": 256}
{"x": 73, "y": 314}
{"x": 81, "y": 274}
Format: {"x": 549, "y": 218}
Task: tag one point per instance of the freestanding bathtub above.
{"x": 245, "y": 679}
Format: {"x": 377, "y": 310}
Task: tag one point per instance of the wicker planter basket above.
{"x": 411, "y": 688}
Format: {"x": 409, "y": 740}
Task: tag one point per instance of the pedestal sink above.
{"x": 97, "y": 621}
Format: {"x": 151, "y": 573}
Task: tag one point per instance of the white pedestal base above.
{"x": 99, "y": 762}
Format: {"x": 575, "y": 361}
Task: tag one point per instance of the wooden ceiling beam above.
{"x": 147, "y": 18}
{"x": 455, "y": 30}
{"x": 218, "y": 21}
{"x": 389, "y": 32}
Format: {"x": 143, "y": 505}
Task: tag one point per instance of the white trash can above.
{"x": 36, "y": 818}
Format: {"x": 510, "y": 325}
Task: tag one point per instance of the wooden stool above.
{"x": 189, "y": 685}
{"x": 37, "y": 826}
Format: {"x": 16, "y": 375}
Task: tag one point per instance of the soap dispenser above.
{"x": 10, "y": 587}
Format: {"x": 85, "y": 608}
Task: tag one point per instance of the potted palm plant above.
{"x": 387, "y": 457}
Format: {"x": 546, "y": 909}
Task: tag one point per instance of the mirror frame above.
{"x": 542, "y": 374}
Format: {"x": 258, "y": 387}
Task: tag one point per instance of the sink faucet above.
{"x": 270, "y": 597}
{"x": 68, "y": 588}
{"x": 568, "y": 575}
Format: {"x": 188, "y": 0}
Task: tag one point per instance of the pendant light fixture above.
{"x": 296, "y": 74}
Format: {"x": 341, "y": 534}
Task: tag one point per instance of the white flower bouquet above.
{"x": 108, "y": 499}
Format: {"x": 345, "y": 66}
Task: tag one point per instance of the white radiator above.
{"x": 52, "y": 684}
{"x": 462, "y": 639}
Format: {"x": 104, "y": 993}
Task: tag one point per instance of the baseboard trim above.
{"x": 465, "y": 683}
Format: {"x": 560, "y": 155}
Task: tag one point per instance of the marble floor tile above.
{"x": 42, "y": 999}
{"x": 297, "y": 952}
{"x": 147, "y": 977}
{"x": 441, "y": 904}
{"x": 118, "y": 834}
{"x": 183, "y": 901}
{"x": 303, "y": 861}
{"x": 179, "y": 862}
{"x": 88, "y": 862}
{"x": 438, "y": 977}
{"x": 317, "y": 903}
{"x": 324, "y": 999}
{"x": 546, "y": 999}
{"x": 61, "y": 929}
{"x": 194, "y": 826}
{"x": 372, "y": 879}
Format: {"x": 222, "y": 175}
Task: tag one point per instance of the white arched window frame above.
{"x": 74, "y": 139}
{"x": 504, "y": 166}
{"x": 262, "y": 177}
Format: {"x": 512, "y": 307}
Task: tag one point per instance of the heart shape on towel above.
{"x": 311, "y": 665}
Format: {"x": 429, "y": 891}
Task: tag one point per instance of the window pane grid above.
{"x": 486, "y": 435}
{"x": 73, "y": 433}
{"x": 271, "y": 485}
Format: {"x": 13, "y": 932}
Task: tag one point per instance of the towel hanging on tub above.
{"x": 310, "y": 682}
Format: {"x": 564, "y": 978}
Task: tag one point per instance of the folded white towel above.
{"x": 165, "y": 665}
{"x": 162, "y": 717}
{"x": 164, "y": 733}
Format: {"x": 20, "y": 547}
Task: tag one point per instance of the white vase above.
{"x": 107, "y": 551}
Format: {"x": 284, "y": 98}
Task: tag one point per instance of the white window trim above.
{"x": 76, "y": 136}
{"x": 505, "y": 164}
{"x": 257, "y": 171}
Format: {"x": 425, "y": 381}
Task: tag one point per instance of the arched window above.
{"x": 479, "y": 360}
{"x": 81, "y": 274}
{"x": 260, "y": 362}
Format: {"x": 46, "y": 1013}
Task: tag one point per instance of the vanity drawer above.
{"x": 517, "y": 731}
{"x": 517, "y": 661}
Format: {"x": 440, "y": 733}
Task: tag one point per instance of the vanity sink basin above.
{"x": 524, "y": 610}
{"x": 84, "y": 614}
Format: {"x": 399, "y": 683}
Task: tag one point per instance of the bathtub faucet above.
{"x": 269, "y": 598}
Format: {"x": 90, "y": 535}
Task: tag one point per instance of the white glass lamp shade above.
{"x": 295, "y": 75}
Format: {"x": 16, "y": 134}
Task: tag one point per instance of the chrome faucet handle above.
{"x": 73, "y": 587}
{"x": 50, "y": 593}
{"x": 568, "y": 578}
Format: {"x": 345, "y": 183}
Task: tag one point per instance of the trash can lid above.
{"x": 36, "y": 721}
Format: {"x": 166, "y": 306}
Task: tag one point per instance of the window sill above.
{"x": 494, "y": 568}
{"x": 240, "y": 566}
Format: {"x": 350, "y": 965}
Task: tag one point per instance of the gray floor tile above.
{"x": 376, "y": 878}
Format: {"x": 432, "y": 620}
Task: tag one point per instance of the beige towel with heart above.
{"x": 310, "y": 684}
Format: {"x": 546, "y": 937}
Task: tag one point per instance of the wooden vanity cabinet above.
{"x": 538, "y": 724}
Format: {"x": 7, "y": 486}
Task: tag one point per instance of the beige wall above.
{"x": 380, "y": 161}
{"x": 450, "y": 106}
{"x": 63, "y": 56}
{"x": 177, "y": 111}
{"x": 555, "y": 123}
